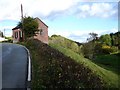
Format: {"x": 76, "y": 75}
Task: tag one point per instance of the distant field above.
{"x": 108, "y": 76}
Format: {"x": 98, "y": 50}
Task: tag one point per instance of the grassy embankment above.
{"x": 109, "y": 77}
{"x": 52, "y": 69}
{"x": 106, "y": 66}
{"x": 110, "y": 62}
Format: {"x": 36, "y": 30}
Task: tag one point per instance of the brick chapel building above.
{"x": 41, "y": 35}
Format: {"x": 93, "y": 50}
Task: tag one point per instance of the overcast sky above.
{"x": 73, "y": 19}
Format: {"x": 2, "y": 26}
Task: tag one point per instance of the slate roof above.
{"x": 17, "y": 27}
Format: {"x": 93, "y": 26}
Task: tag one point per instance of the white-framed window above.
{"x": 16, "y": 35}
{"x": 41, "y": 31}
{"x": 20, "y": 33}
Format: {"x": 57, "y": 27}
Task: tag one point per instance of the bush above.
{"x": 8, "y": 41}
{"x": 88, "y": 50}
{"x": 114, "y": 49}
{"x": 98, "y": 49}
{"x": 107, "y": 49}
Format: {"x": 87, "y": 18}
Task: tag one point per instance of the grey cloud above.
{"x": 56, "y": 14}
{"x": 77, "y": 11}
{"x": 105, "y": 9}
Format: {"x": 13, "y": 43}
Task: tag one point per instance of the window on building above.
{"x": 20, "y": 33}
{"x": 16, "y": 35}
{"x": 41, "y": 31}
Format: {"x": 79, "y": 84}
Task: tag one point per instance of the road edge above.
{"x": 29, "y": 70}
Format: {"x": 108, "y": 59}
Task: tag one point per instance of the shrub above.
{"x": 10, "y": 41}
{"x": 88, "y": 50}
{"x": 98, "y": 49}
{"x": 114, "y": 49}
{"x": 107, "y": 49}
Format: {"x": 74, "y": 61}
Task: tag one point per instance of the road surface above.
{"x": 14, "y": 66}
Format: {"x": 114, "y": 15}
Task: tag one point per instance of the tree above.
{"x": 1, "y": 34}
{"x": 115, "y": 39}
{"x": 112, "y": 38}
{"x": 93, "y": 36}
{"x": 105, "y": 39}
{"x": 29, "y": 26}
{"x": 88, "y": 48}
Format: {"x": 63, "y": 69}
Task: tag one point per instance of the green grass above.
{"x": 47, "y": 71}
{"x": 52, "y": 69}
{"x": 110, "y": 78}
{"x": 110, "y": 62}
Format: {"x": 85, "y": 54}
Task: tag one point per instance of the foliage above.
{"x": 104, "y": 49}
{"x": 55, "y": 35}
{"x": 98, "y": 49}
{"x": 114, "y": 49}
{"x": 93, "y": 36}
{"x": 108, "y": 49}
{"x": 92, "y": 49}
{"x": 102, "y": 45}
{"x": 9, "y": 40}
{"x": 109, "y": 60}
{"x": 64, "y": 42}
{"x": 105, "y": 39}
{"x": 88, "y": 50}
{"x": 1, "y": 34}
{"x": 89, "y": 47}
{"x": 115, "y": 39}
{"x": 52, "y": 69}
{"x": 29, "y": 26}
{"x": 110, "y": 78}
{"x": 74, "y": 47}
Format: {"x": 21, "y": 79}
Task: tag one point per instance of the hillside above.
{"x": 66, "y": 43}
{"x": 52, "y": 69}
{"x": 105, "y": 66}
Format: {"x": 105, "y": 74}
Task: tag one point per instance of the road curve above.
{"x": 14, "y": 66}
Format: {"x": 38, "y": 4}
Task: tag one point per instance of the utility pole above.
{"x": 4, "y": 32}
{"x": 22, "y": 12}
{"x": 22, "y": 20}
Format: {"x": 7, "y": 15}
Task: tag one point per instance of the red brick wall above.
{"x": 43, "y": 36}
{"x": 19, "y": 36}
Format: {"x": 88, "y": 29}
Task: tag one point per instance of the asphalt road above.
{"x": 14, "y": 66}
